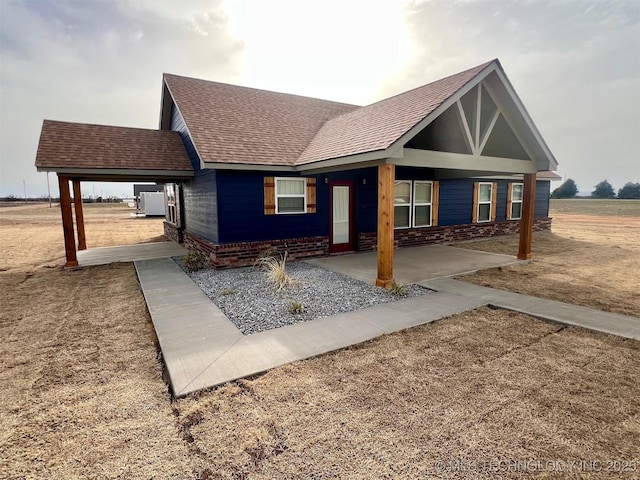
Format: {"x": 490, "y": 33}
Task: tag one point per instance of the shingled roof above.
{"x": 239, "y": 125}
{"x": 379, "y": 125}
{"x": 79, "y": 146}
{"x": 232, "y": 124}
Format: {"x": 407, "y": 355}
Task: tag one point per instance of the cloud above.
{"x": 575, "y": 66}
{"x": 98, "y": 62}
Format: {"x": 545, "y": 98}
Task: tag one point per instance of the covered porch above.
{"x": 481, "y": 133}
{"x": 386, "y": 230}
{"x": 100, "y": 153}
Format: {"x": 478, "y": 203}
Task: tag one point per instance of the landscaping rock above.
{"x": 246, "y": 298}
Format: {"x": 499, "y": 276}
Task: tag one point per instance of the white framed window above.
{"x": 291, "y": 195}
{"x": 516, "y": 201}
{"x": 485, "y": 196}
{"x": 402, "y": 204}
{"x": 171, "y": 211}
{"x": 413, "y": 204}
{"x": 422, "y": 203}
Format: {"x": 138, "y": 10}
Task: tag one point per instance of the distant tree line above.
{"x": 604, "y": 189}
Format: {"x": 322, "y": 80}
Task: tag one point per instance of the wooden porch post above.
{"x": 67, "y": 221}
{"x": 77, "y": 203}
{"x": 386, "y": 188}
{"x": 526, "y": 220}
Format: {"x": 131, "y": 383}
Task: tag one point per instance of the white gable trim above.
{"x": 467, "y": 131}
{"x": 527, "y": 118}
{"x": 444, "y": 160}
{"x": 398, "y": 144}
{"x": 478, "y": 80}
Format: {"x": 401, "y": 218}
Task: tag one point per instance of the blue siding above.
{"x": 543, "y": 190}
{"x": 241, "y": 207}
{"x": 200, "y": 205}
{"x": 241, "y": 211}
{"x": 177, "y": 124}
{"x": 501, "y": 201}
{"x": 240, "y": 204}
{"x": 456, "y": 202}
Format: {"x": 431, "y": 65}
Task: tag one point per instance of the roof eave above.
{"x": 118, "y": 174}
{"x": 248, "y": 166}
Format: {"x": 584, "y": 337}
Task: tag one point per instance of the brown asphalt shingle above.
{"x": 379, "y": 125}
{"x": 232, "y": 124}
{"x": 79, "y": 145}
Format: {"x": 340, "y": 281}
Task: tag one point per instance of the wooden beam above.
{"x": 77, "y": 204}
{"x": 526, "y": 221}
{"x": 386, "y": 193}
{"x": 67, "y": 221}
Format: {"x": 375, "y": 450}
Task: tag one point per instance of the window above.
{"x": 402, "y": 205}
{"x": 422, "y": 195}
{"x": 415, "y": 204}
{"x": 171, "y": 213}
{"x": 516, "y": 201}
{"x": 485, "y": 196}
{"x": 294, "y": 195}
{"x": 290, "y": 195}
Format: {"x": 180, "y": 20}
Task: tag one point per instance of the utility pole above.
{"x": 24, "y": 186}
{"x": 48, "y": 189}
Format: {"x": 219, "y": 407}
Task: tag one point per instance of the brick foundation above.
{"x": 231, "y": 255}
{"x": 409, "y": 237}
{"x": 244, "y": 254}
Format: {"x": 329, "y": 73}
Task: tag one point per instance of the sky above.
{"x": 575, "y": 65}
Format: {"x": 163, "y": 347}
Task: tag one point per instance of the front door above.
{"x": 342, "y": 234}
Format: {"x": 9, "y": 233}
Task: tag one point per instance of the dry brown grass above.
{"x": 590, "y": 259}
{"x": 31, "y": 235}
{"x": 83, "y": 395}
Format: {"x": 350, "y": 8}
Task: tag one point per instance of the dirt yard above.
{"x": 481, "y": 394}
{"x": 591, "y": 258}
{"x": 31, "y": 235}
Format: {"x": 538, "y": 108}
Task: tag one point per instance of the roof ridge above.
{"x": 84, "y": 124}
{"x": 481, "y": 66}
{"x": 256, "y": 89}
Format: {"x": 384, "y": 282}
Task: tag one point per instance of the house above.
{"x": 453, "y": 160}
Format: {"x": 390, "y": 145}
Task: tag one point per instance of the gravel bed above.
{"x": 253, "y": 305}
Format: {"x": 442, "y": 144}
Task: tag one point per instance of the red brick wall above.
{"x": 408, "y": 237}
{"x": 245, "y": 254}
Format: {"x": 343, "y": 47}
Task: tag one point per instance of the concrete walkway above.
{"x": 415, "y": 264}
{"x": 202, "y": 348}
{"x": 129, "y": 253}
{"x": 565, "y": 313}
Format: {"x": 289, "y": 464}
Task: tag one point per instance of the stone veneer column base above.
{"x": 171, "y": 232}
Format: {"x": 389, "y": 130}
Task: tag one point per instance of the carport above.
{"x": 78, "y": 152}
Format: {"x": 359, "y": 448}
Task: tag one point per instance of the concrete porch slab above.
{"x": 415, "y": 264}
{"x": 129, "y": 253}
